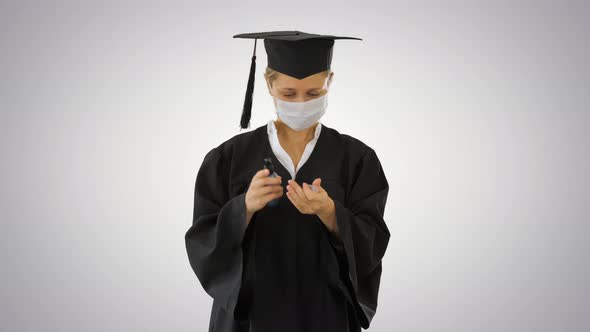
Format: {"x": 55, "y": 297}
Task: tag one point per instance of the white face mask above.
{"x": 301, "y": 115}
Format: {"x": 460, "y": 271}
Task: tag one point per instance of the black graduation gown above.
{"x": 286, "y": 271}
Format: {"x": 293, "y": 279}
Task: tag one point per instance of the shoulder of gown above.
{"x": 363, "y": 232}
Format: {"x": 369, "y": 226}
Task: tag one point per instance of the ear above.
{"x": 330, "y": 77}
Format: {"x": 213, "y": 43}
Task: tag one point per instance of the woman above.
{"x": 312, "y": 261}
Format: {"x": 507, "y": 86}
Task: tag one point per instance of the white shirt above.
{"x": 282, "y": 155}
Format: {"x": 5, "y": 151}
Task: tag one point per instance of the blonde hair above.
{"x": 272, "y": 74}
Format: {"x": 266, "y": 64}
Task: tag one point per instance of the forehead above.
{"x": 286, "y": 82}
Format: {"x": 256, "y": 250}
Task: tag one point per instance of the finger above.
{"x": 261, "y": 173}
{"x": 266, "y": 181}
{"x": 261, "y": 190}
{"x": 295, "y": 203}
{"x": 270, "y": 180}
{"x": 295, "y": 186}
{"x": 318, "y": 183}
{"x": 293, "y": 194}
{"x": 309, "y": 191}
{"x": 271, "y": 195}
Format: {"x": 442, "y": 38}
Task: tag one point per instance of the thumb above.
{"x": 317, "y": 182}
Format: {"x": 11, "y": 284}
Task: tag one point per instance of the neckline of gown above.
{"x": 310, "y": 159}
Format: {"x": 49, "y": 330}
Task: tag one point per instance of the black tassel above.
{"x": 247, "y": 111}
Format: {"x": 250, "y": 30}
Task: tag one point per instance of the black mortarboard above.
{"x": 294, "y": 53}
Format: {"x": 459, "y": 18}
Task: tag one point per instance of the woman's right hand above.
{"x": 262, "y": 190}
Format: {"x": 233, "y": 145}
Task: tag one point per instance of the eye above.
{"x": 309, "y": 94}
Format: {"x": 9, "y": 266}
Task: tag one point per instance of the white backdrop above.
{"x": 478, "y": 112}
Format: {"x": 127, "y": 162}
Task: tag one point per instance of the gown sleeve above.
{"x": 214, "y": 240}
{"x": 363, "y": 235}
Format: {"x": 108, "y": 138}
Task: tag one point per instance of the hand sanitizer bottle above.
{"x": 268, "y": 164}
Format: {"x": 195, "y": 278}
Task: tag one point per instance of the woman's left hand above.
{"x": 308, "y": 201}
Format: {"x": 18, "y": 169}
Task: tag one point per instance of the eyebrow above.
{"x": 292, "y": 89}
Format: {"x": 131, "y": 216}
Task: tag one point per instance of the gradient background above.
{"x": 478, "y": 112}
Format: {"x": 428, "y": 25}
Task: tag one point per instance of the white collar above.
{"x": 282, "y": 155}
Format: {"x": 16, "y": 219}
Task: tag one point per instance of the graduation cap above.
{"x": 294, "y": 53}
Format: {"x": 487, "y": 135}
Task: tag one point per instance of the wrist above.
{"x": 328, "y": 216}
{"x": 328, "y": 209}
